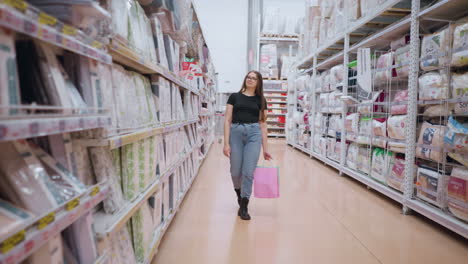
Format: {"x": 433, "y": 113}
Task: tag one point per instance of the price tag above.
{"x": 18, "y": 4}
{"x": 96, "y": 44}
{"x": 12, "y": 241}
{"x": 46, "y": 220}
{"x": 45, "y": 19}
{"x": 95, "y": 191}
{"x": 69, "y": 30}
{"x": 72, "y": 204}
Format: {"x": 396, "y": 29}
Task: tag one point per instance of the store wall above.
{"x": 224, "y": 24}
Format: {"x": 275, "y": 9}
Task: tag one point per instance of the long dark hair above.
{"x": 258, "y": 91}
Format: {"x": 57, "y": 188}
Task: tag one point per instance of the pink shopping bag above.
{"x": 266, "y": 182}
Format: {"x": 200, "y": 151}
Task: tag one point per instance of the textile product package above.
{"x": 122, "y": 248}
{"x": 432, "y": 187}
{"x": 157, "y": 211}
{"x": 80, "y": 237}
{"x": 402, "y": 59}
{"x": 159, "y": 41}
{"x": 352, "y": 156}
{"x": 401, "y": 97}
{"x": 9, "y": 83}
{"x": 352, "y": 125}
{"x": 396, "y": 127}
{"x": 435, "y": 49}
{"x": 269, "y": 61}
{"x": 105, "y": 171}
{"x": 432, "y": 139}
{"x": 383, "y": 71}
{"x": 396, "y": 175}
{"x": 455, "y": 139}
{"x": 365, "y": 130}
{"x": 380, "y": 164}
{"x": 364, "y": 157}
{"x": 130, "y": 171}
{"x": 24, "y": 180}
{"x": 458, "y": 193}
{"x": 11, "y": 218}
{"x": 460, "y": 46}
{"x": 51, "y": 252}
{"x": 459, "y": 90}
{"x": 81, "y": 164}
{"x": 143, "y": 232}
{"x": 433, "y": 86}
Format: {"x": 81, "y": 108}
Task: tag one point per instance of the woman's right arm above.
{"x": 227, "y": 129}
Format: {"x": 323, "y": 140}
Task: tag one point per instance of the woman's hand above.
{"x": 227, "y": 151}
{"x": 267, "y": 155}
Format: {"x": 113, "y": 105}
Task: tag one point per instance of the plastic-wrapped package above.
{"x": 402, "y": 60}
{"x": 438, "y": 110}
{"x": 159, "y": 41}
{"x": 435, "y": 49}
{"x": 80, "y": 237}
{"x": 334, "y": 125}
{"x": 120, "y": 18}
{"x": 380, "y": 164}
{"x": 365, "y": 130}
{"x": 401, "y": 97}
{"x": 459, "y": 90}
{"x": 352, "y": 156}
{"x": 456, "y": 136}
{"x": 352, "y": 9}
{"x": 130, "y": 171}
{"x": 368, "y": 7}
{"x": 398, "y": 147}
{"x": 81, "y": 165}
{"x": 323, "y": 146}
{"x": 364, "y": 160}
{"x": 433, "y": 86}
{"x": 269, "y": 61}
{"x": 323, "y": 37}
{"x": 105, "y": 171}
{"x": 270, "y": 21}
{"x": 11, "y": 218}
{"x": 396, "y": 127}
{"x": 379, "y": 127}
{"x": 352, "y": 125}
{"x": 143, "y": 232}
{"x": 24, "y": 179}
{"x": 9, "y": 83}
{"x": 432, "y": 137}
{"x": 460, "y": 46}
{"x": 157, "y": 213}
{"x": 122, "y": 248}
{"x": 368, "y": 106}
{"x": 331, "y": 142}
{"x": 336, "y": 77}
{"x": 383, "y": 70}
{"x": 324, "y": 102}
{"x": 431, "y": 186}
{"x": 51, "y": 252}
{"x": 458, "y": 193}
{"x": 396, "y": 175}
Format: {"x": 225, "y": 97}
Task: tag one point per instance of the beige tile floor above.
{"x": 321, "y": 218}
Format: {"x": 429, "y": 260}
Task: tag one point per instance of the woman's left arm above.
{"x": 264, "y": 128}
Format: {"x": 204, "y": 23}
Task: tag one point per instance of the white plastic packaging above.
{"x": 433, "y": 86}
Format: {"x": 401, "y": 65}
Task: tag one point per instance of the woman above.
{"x": 245, "y": 131}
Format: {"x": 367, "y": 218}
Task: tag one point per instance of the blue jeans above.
{"x": 245, "y": 143}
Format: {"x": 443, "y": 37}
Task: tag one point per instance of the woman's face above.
{"x": 251, "y": 80}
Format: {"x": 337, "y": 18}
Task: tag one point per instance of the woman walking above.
{"x": 245, "y": 131}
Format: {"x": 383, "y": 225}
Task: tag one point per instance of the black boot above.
{"x": 238, "y": 192}
{"x": 243, "y": 211}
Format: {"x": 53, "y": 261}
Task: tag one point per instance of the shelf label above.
{"x": 18, "y": 4}
{"x": 45, "y": 19}
{"x": 45, "y": 221}
{"x": 69, "y": 30}
{"x": 72, "y": 204}
{"x": 96, "y": 44}
{"x": 95, "y": 191}
{"x": 12, "y": 241}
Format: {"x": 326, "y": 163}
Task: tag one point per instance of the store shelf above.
{"x": 275, "y": 96}
{"x": 128, "y": 57}
{"x": 122, "y": 140}
{"x": 440, "y": 217}
{"x": 278, "y": 39}
{"x": 271, "y": 114}
{"x": 35, "y": 234}
{"x": 301, "y": 148}
{"x": 22, "y": 17}
{"x": 277, "y": 102}
{"x": 331, "y": 61}
{"x": 275, "y": 91}
{"x": 107, "y": 226}
{"x": 274, "y": 82}
{"x": 276, "y": 128}
{"x": 35, "y": 126}
{"x": 281, "y": 108}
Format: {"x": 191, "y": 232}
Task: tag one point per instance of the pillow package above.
{"x": 458, "y": 193}
{"x": 401, "y": 108}
{"x": 383, "y": 71}
{"x": 432, "y": 187}
{"x": 456, "y": 139}
{"x": 431, "y": 142}
{"x": 460, "y": 90}
{"x": 402, "y": 60}
{"x": 433, "y": 86}
{"x": 460, "y": 46}
{"x": 9, "y": 84}
{"x": 380, "y": 164}
{"x": 396, "y": 175}
{"x": 11, "y": 218}
{"x": 435, "y": 48}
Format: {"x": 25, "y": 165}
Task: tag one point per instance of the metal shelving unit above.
{"x": 411, "y": 16}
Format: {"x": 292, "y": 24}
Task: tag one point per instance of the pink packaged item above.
{"x": 266, "y": 182}
{"x": 397, "y": 173}
{"x": 403, "y": 41}
{"x": 401, "y": 97}
{"x": 383, "y": 71}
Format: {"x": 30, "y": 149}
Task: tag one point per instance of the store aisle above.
{"x": 320, "y": 218}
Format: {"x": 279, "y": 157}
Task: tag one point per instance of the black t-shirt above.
{"x": 246, "y": 109}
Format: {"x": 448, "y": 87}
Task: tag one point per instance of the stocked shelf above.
{"x": 122, "y": 140}
{"x": 278, "y": 39}
{"x": 113, "y": 223}
{"x": 36, "y": 126}
{"x": 281, "y": 108}
{"x": 24, "y": 241}
{"x": 276, "y": 135}
{"x": 22, "y": 17}
{"x": 301, "y": 148}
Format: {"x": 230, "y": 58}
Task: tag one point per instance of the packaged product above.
{"x": 434, "y": 49}
{"x": 383, "y": 69}
{"x": 401, "y": 103}
{"x": 438, "y": 110}
{"x": 396, "y": 127}
{"x": 368, "y": 106}
{"x": 460, "y": 46}
{"x": 402, "y": 61}
{"x": 364, "y": 160}
{"x": 365, "y": 131}
{"x": 431, "y": 186}
{"x": 458, "y": 193}
{"x": 352, "y": 156}
{"x": 9, "y": 83}
{"x": 431, "y": 142}
{"x": 380, "y": 164}
{"x": 433, "y": 86}
{"x": 399, "y": 43}
{"x": 12, "y": 218}
{"x": 143, "y": 231}
{"x": 397, "y": 173}
{"x": 460, "y": 91}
